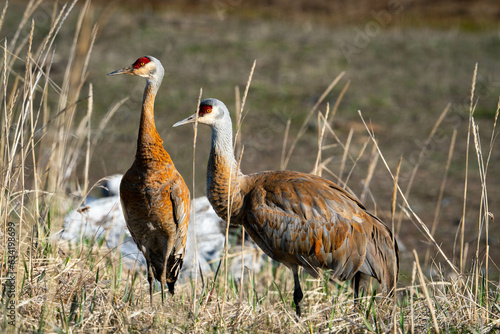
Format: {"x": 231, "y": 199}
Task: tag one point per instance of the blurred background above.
{"x": 403, "y": 62}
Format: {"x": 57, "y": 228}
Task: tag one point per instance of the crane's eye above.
{"x": 205, "y": 110}
{"x": 141, "y": 62}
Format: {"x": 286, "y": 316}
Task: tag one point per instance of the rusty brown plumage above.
{"x": 298, "y": 219}
{"x": 155, "y": 199}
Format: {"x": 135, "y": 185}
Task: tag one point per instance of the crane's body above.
{"x": 155, "y": 199}
{"x": 296, "y": 218}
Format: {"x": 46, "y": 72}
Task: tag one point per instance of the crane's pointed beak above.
{"x": 125, "y": 70}
{"x": 190, "y": 119}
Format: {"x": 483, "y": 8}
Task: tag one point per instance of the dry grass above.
{"x": 47, "y": 132}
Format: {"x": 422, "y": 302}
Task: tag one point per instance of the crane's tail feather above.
{"x": 175, "y": 265}
{"x": 382, "y": 256}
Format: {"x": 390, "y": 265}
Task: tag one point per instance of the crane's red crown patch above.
{"x": 205, "y": 109}
{"x": 141, "y": 62}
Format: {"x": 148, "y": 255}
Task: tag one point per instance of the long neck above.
{"x": 149, "y": 142}
{"x": 223, "y": 174}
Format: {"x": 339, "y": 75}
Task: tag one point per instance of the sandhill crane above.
{"x": 296, "y": 218}
{"x": 155, "y": 199}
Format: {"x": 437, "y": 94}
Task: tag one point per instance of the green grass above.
{"x": 56, "y": 143}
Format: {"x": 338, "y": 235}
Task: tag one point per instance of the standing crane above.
{"x": 297, "y": 219}
{"x": 155, "y": 199}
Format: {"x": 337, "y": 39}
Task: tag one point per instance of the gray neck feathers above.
{"x": 147, "y": 130}
{"x": 222, "y": 169}
{"x": 154, "y": 80}
{"x": 222, "y": 141}
{"x": 153, "y": 84}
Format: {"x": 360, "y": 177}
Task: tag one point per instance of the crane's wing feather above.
{"x": 306, "y": 220}
{"x": 181, "y": 206}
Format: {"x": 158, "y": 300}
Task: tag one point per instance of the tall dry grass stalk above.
{"x": 393, "y": 226}
{"x": 193, "y": 201}
{"x": 239, "y": 118}
{"x": 462, "y": 222}
{"x": 322, "y": 119}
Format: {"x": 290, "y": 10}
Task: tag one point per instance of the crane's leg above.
{"x": 162, "y": 293}
{"x": 297, "y": 293}
{"x": 150, "y": 281}
{"x": 355, "y": 287}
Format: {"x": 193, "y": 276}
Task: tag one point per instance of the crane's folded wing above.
{"x": 307, "y": 221}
